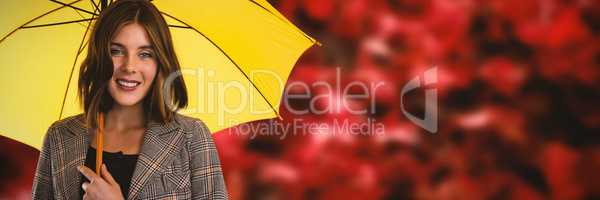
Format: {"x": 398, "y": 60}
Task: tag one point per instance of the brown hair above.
{"x": 97, "y": 69}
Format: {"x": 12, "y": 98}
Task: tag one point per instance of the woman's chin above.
{"x": 127, "y": 102}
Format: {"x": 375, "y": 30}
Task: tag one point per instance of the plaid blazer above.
{"x": 177, "y": 160}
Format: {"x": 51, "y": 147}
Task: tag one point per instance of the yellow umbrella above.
{"x": 236, "y": 57}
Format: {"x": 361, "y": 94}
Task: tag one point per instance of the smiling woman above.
{"x": 150, "y": 151}
{"x": 138, "y": 44}
{"x": 131, "y": 52}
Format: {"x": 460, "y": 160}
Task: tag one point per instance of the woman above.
{"x": 150, "y": 151}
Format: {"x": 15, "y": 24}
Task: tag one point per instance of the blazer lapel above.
{"x": 160, "y": 143}
{"x": 70, "y": 154}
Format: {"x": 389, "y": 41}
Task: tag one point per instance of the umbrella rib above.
{"x": 95, "y": 5}
{"x": 58, "y": 23}
{"x": 76, "y": 8}
{"x": 230, "y": 59}
{"x": 177, "y": 26}
{"x": 283, "y": 20}
{"x": 82, "y": 47}
{"x": 79, "y": 50}
{"x": 32, "y": 20}
{"x": 82, "y": 17}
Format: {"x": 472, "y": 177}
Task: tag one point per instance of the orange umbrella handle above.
{"x": 99, "y": 142}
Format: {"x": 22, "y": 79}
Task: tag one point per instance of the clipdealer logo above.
{"x": 428, "y": 79}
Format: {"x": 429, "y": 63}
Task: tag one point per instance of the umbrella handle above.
{"x": 99, "y": 142}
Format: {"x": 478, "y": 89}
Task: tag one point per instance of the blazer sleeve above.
{"x": 206, "y": 174}
{"x": 42, "y": 180}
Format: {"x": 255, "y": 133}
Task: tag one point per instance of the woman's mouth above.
{"x": 127, "y": 85}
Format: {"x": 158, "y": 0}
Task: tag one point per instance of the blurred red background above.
{"x": 518, "y": 86}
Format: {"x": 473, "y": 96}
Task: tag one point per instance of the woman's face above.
{"x": 134, "y": 65}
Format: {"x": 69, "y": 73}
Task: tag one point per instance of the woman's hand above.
{"x": 100, "y": 187}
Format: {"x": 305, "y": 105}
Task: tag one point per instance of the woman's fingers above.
{"x": 99, "y": 186}
{"x": 107, "y": 175}
{"x": 88, "y": 173}
{"x": 87, "y": 188}
{"x": 84, "y": 186}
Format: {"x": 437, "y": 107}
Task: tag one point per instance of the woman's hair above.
{"x": 97, "y": 68}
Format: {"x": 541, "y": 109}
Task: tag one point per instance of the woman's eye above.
{"x": 145, "y": 55}
{"x": 116, "y": 52}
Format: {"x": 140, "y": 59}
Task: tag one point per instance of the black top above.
{"x": 119, "y": 165}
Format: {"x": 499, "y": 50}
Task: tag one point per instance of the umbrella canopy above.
{"x": 236, "y": 56}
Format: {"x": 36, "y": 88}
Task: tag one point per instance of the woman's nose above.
{"x": 130, "y": 65}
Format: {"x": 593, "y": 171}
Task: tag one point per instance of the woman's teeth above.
{"x": 126, "y": 83}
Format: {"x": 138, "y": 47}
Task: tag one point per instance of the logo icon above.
{"x": 430, "y": 122}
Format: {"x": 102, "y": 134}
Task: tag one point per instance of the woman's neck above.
{"x": 122, "y": 118}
